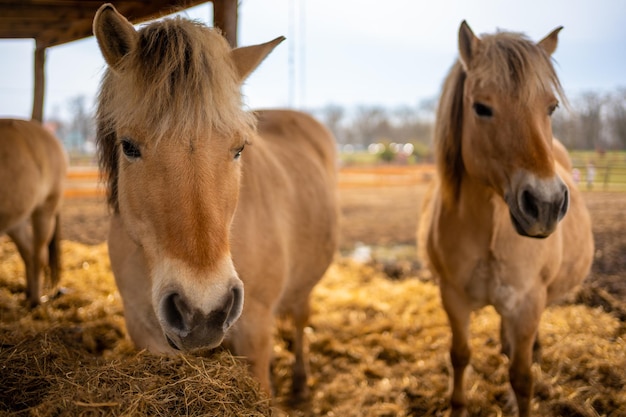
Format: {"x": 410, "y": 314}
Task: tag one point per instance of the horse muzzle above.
{"x": 187, "y": 328}
{"x": 537, "y": 207}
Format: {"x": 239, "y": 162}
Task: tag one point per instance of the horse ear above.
{"x": 549, "y": 42}
{"x": 116, "y": 36}
{"x": 467, "y": 44}
{"x": 247, "y": 58}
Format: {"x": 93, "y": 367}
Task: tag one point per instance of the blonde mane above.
{"x": 507, "y": 63}
{"x": 178, "y": 81}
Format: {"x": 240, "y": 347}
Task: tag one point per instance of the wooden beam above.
{"x": 40, "y": 82}
{"x": 225, "y": 18}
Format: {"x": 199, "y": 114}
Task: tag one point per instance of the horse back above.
{"x": 285, "y": 227}
{"x": 28, "y": 143}
{"x": 32, "y": 161}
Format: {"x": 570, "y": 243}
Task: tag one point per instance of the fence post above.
{"x": 607, "y": 174}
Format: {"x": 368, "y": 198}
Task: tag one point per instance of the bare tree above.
{"x": 332, "y": 116}
{"x": 590, "y": 119}
{"x": 617, "y": 118}
{"x": 370, "y": 125}
{"x": 410, "y": 126}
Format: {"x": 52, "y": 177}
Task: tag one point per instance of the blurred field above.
{"x": 378, "y": 338}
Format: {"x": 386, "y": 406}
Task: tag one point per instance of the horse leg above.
{"x": 23, "y": 239}
{"x": 43, "y": 222}
{"x": 537, "y": 350}
{"x": 504, "y": 340}
{"x": 506, "y": 345}
{"x": 252, "y": 338}
{"x": 522, "y": 333}
{"x": 458, "y": 312}
{"x": 299, "y": 388}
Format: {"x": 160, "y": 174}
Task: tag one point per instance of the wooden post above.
{"x": 40, "y": 82}
{"x": 225, "y": 18}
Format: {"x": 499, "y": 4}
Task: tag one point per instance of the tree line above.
{"x": 589, "y": 121}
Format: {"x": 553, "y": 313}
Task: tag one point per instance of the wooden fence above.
{"x": 85, "y": 181}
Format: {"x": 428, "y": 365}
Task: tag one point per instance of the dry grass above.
{"x": 378, "y": 347}
{"x": 69, "y": 357}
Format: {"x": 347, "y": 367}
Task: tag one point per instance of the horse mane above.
{"x": 509, "y": 63}
{"x": 179, "y": 81}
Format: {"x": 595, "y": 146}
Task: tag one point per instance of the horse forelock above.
{"x": 515, "y": 66}
{"x": 179, "y": 81}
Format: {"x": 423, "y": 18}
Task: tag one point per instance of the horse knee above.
{"x": 460, "y": 356}
{"x": 537, "y": 351}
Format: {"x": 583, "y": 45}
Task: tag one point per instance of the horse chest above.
{"x": 491, "y": 282}
{"x": 488, "y": 271}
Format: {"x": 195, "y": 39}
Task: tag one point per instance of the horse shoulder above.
{"x": 578, "y": 243}
{"x": 447, "y": 248}
{"x": 425, "y": 224}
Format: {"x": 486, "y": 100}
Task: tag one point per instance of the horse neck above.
{"x": 476, "y": 202}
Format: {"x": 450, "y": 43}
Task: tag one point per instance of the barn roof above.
{"x": 54, "y": 22}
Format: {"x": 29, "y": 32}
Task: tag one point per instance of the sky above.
{"x": 350, "y": 53}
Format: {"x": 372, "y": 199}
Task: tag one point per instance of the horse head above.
{"x": 510, "y": 91}
{"x": 171, "y": 132}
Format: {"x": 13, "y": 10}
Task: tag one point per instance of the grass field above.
{"x": 610, "y": 167}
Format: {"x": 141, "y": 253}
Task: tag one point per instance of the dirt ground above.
{"x": 386, "y": 218}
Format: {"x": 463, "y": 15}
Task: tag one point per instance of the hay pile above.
{"x": 378, "y": 347}
{"x": 69, "y": 356}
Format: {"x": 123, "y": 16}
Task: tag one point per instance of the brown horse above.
{"x": 32, "y": 172}
{"x": 494, "y": 225}
{"x": 196, "y": 219}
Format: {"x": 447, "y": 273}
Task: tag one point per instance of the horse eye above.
{"x": 238, "y": 153}
{"x": 552, "y": 108}
{"x": 482, "y": 110}
{"x": 131, "y": 151}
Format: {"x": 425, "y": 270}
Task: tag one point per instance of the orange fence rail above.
{"x": 385, "y": 175}
{"x": 85, "y": 181}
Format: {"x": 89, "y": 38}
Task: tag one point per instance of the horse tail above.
{"x": 54, "y": 252}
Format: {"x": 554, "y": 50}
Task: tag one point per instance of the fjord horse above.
{"x": 197, "y": 221}
{"x": 32, "y": 172}
{"x": 503, "y": 224}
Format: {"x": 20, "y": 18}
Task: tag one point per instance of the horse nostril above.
{"x": 235, "y": 307}
{"x": 529, "y": 205}
{"x": 564, "y": 203}
{"x": 175, "y": 310}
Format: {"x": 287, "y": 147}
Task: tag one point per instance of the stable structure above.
{"x": 55, "y": 22}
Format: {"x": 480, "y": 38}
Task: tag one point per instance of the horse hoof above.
{"x": 458, "y": 412}
{"x": 299, "y": 394}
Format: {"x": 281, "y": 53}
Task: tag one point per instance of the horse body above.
{"x": 288, "y": 207}
{"x": 32, "y": 171}
{"x": 197, "y": 220}
{"x": 494, "y": 226}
